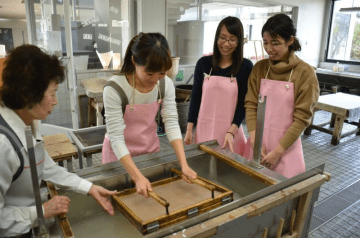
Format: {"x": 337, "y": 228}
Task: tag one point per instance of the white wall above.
{"x": 310, "y": 27}
{"x": 154, "y": 16}
{"x": 18, "y": 27}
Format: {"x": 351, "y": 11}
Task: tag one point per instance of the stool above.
{"x": 341, "y": 106}
{"x": 60, "y": 148}
{"x": 94, "y": 90}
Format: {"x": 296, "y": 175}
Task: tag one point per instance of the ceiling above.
{"x": 15, "y": 9}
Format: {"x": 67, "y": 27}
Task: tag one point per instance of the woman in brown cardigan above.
{"x": 292, "y": 91}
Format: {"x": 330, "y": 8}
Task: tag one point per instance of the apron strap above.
{"x": 120, "y": 91}
{"x": 6, "y": 130}
{"x": 161, "y": 88}
{"x": 290, "y": 74}
{"x": 267, "y": 72}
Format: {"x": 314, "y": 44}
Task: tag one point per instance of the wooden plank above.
{"x": 59, "y": 147}
{"x": 253, "y": 209}
{"x": 55, "y": 139}
{"x": 328, "y": 131}
{"x": 329, "y": 108}
{"x": 61, "y": 151}
{"x": 239, "y": 166}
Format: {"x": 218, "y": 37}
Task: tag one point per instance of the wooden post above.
{"x": 302, "y": 210}
{"x": 280, "y": 228}
{"x": 339, "y": 121}
{"x": 264, "y": 235}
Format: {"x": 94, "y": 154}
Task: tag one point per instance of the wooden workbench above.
{"x": 60, "y": 148}
{"x": 344, "y": 108}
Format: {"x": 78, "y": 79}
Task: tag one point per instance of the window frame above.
{"x": 331, "y": 16}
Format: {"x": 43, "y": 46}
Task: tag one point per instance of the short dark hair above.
{"x": 234, "y": 27}
{"x": 27, "y": 74}
{"x": 282, "y": 25}
{"x": 147, "y": 49}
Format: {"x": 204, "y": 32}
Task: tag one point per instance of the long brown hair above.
{"x": 147, "y": 49}
{"x": 234, "y": 27}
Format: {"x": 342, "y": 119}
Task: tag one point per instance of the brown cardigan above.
{"x": 306, "y": 89}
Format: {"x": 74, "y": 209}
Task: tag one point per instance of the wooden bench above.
{"x": 60, "y": 148}
{"x": 344, "y": 108}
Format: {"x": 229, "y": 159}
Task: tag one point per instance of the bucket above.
{"x": 183, "y": 112}
{"x": 183, "y": 95}
{"x": 183, "y": 92}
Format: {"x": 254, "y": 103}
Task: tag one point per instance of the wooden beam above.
{"x": 63, "y": 220}
{"x": 241, "y": 167}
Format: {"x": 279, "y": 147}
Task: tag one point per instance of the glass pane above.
{"x": 191, "y": 35}
{"x": 99, "y": 35}
{"x": 344, "y": 44}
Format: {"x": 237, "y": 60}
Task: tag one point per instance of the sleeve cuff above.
{"x": 33, "y": 216}
{"x": 174, "y": 135}
{"x": 84, "y": 187}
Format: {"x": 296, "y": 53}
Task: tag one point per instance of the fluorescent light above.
{"x": 350, "y": 9}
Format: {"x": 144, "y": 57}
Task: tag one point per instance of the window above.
{"x": 192, "y": 26}
{"x": 344, "y": 35}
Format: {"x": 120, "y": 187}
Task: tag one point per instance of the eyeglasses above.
{"x": 222, "y": 40}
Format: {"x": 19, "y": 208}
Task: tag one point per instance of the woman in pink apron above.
{"x": 220, "y": 84}
{"x": 292, "y": 91}
{"x": 132, "y": 131}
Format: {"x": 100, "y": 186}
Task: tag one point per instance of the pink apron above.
{"x": 140, "y": 131}
{"x": 217, "y": 109}
{"x": 278, "y": 118}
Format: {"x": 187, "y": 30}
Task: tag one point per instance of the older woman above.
{"x": 30, "y": 81}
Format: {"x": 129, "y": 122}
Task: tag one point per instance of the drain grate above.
{"x": 315, "y": 222}
{"x": 331, "y": 207}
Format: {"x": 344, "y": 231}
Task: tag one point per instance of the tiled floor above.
{"x": 337, "y": 211}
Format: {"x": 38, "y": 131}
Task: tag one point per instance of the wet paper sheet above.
{"x": 179, "y": 194}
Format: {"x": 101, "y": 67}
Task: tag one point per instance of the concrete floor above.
{"x": 337, "y": 212}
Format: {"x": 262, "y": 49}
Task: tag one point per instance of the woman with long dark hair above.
{"x": 131, "y": 127}
{"x": 219, "y": 89}
{"x": 292, "y": 91}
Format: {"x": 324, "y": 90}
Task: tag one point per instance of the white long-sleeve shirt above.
{"x": 114, "y": 116}
{"x": 17, "y": 209}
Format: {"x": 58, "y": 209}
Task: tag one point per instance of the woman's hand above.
{"x": 101, "y": 194}
{"x": 188, "y": 174}
{"x": 142, "y": 186}
{"x": 272, "y": 158}
{"x": 188, "y": 138}
{"x": 229, "y": 140}
{"x": 56, "y": 206}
